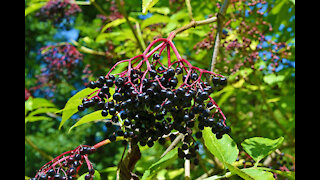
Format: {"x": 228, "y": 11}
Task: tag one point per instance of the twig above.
{"x": 191, "y": 24}
{"x": 87, "y": 50}
{"x": 98, "y": 7}
{"x": 140, "y": 36}
{"x": 189, "y": 9}
{"x": 37, "y": 149}
{"x": 120, "y": 4}
{"x": 175, "y": 142}
{"x": 220, "y": 17}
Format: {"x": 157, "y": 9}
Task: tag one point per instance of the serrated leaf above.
{"x": 96, "y": 175}
{"x": 95, "y": 116}
{"x": 259, "y": 147}
{"x": 71, "y": 106}
{"x": 147, "y": 4}
{"x": 225, "y": 149}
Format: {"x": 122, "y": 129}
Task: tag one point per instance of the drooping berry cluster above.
{"x": 67, "y": 165}
{"x": 61, "y": 62}
{"x": 59, "y": 11}
{"x": 149, "y": 103}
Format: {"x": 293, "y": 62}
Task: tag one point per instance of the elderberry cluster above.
{"x": 150, "y": 105}
{"x": 62, "y": 62}
{"x": 68, "y": 166}
{"x": 59, "y": 12}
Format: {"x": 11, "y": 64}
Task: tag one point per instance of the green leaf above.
{"x": 225, "y": 149}
{"x": 35, "y": 103}
{"x": 147, "y": 4}
{"x": 113, "y": 23}
{"x": 259, "y": 147}
{"x": 109, "y": 169}
{"x": 160, "y": 10}
{"x": 277, "y": 7}
{"x": 96, "y": 175}
{"x": 174, "y": 174}
{"x": 215, "y": 177}
{"x": 162, "y": 163}
{"x": 42, "y": 110}
{"x": 36, "y": 118}
{"x": 89, "y": 118}
{"x": 33, "y": 7}
{"x": 235, "y": 170}
{"x": 116, "y": 22}
{"x": 272, "y": 78}
{"x": 246, "y": 173}
{"x": 155, "y": 19}
{"x": 258, "y": 174}
{"x": 71, "y": 106}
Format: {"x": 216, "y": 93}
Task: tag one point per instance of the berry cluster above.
{"x": 67, "y": 165}
{"x": 148, "y": 103}
{"x": 251, "y": 43}
{"x": 62, "y": 61}
{"x": 59, "y": 12}
{"x": 282, "y": 162}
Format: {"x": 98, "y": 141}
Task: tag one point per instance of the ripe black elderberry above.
{"x": 148, "y": 104}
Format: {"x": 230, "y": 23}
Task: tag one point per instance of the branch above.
{"x": 98, "y": 7}
{"x": 174, "y": 142}
{"x": 27, "y": 140}
{"x": 220, "y": 17}
{"x": 191, "y": 24}
{"x": 189, "y": 9}
{"x": 127, "y": 165}
{"x": 120, "y": 4}
{"x": 87, "y": 50}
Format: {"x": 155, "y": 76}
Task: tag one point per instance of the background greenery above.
{"x": 256, "y": 103}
